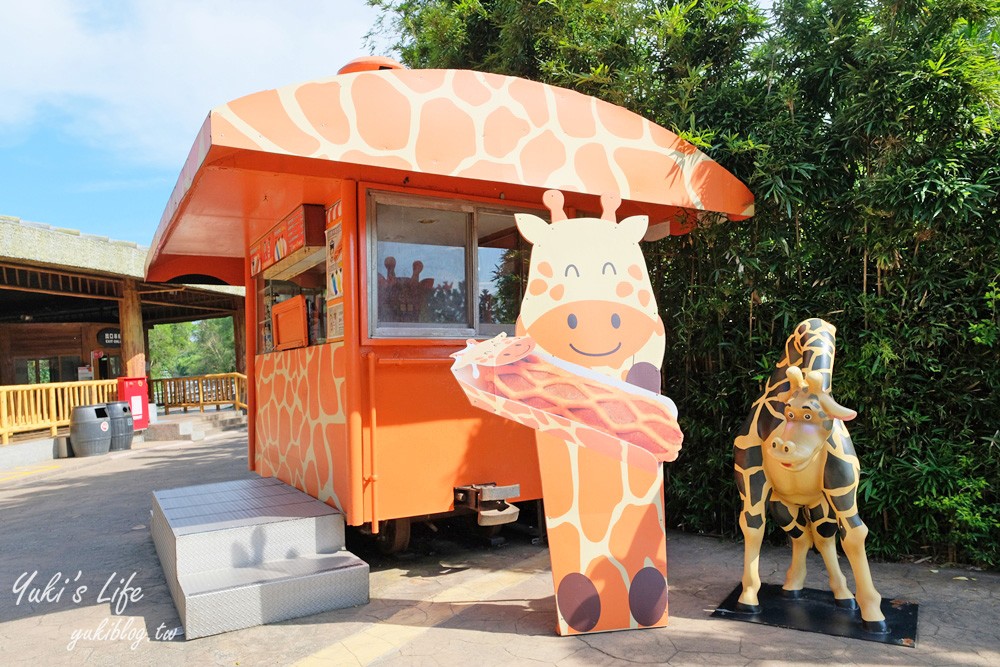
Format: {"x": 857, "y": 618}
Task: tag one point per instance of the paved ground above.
{"x": 448, "y": 601}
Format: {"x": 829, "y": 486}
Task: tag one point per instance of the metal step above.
{"x": 227, "y": 600}
{"x": 241, "y": 553}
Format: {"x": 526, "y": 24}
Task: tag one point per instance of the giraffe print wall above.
{"x": 301, "y": 423}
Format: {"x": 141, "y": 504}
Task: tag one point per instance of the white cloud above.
{"x": 138, "y": 78}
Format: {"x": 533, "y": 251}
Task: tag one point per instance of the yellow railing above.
{"x": 200, "y": 390}
{"x": 34, "y": 407}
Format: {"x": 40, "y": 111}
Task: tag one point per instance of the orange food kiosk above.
{"x": 370, "y": 216}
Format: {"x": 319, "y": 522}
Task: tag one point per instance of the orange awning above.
{"x": 258, "y": 157}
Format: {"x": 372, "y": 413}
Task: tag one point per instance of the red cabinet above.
{"x": 135, "y": 391}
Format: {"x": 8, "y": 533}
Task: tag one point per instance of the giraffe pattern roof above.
{"x": 481, "y": 126}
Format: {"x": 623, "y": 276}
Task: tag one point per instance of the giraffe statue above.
{"x": 589, "y": 302}
{"x": 794, "y": 456}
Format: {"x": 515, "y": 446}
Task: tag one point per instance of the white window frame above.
{"x": 376, "y": 330}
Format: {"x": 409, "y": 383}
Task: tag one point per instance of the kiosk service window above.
{"x": 441, "y": 268}
{"x": 290, "y": 275}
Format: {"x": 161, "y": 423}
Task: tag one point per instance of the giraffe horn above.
{"x": 826, "y": 401}
{"x": 794, "y": 373}
{"x": 815, "y": 381}
{"x": 610, "y": 204}
{"x": 554, "y": 202}
{"x": 795, "y": 383}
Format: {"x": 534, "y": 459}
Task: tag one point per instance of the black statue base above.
{"x": 817, "y": 611}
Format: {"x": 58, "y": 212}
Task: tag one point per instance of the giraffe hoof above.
{"x": 744, "y": 608}
{"x": 875, "y": 627}
{"x": 847, "y": 603}
{"x": 647, "y": 596}
{"x": 791, "y": 595}
{"x": 578, "y": 602}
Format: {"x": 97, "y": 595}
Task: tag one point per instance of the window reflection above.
{"x": 421, "y": 266}
{"x": 445, "y": 268}
{"x": 503, "y": 265}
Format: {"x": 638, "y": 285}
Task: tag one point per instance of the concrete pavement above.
{"x": 80, "y": 583}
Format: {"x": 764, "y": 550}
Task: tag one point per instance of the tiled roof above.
{"x": 39, "y": 244}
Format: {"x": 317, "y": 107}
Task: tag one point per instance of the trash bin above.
{"x": 122, "y": 425}
{"x": 90, "y": 430}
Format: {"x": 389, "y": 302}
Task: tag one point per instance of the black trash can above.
{"x": 122, "y": 425}
{"x": 90, "y": 430}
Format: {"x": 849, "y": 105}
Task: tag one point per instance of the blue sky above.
{"x": 100, "y": 100}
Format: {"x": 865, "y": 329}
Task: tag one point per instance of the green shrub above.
{"x": 869, "y": 133}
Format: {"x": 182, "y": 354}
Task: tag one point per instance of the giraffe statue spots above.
{"x": 794, "y": 456}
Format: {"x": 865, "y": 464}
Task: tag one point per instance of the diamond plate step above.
{"x": 244, "y": 522}
{"x": 241, "y": 553}
{"x": 227, "y": 600}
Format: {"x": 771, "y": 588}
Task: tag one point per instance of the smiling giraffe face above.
{"x": 589, "y": 300}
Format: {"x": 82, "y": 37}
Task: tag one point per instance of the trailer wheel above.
{"x": 489, "y": 532}
{"x": 393, "y": 536}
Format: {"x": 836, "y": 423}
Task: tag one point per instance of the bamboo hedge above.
{"x": 868, "y": 132}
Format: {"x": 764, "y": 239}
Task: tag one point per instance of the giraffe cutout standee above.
{"x": 584, "y": 372}
{"x": 794, "y": 456}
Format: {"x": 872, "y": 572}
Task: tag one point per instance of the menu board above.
{"x": 334, "y": 273}
{"x": 334, "y": 321}
{"x": 283, "y": 239}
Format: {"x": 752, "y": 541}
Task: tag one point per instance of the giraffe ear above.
{"x": 532, "y": 228}
{"x": 835, "y": 409}
{"x": 634, "y": 227}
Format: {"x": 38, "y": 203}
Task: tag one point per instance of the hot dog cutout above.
{"x": 511, "y": 377}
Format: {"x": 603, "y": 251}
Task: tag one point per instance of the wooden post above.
{"x": 4, "y": 434}
{"x": 130, "y": 319}
{"x": 53, "y": 417}
{"x": 240, "y": 337}
{"x": 6, "y": 358}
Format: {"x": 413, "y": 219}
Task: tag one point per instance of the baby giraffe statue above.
{"x": 795, "y": 456}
